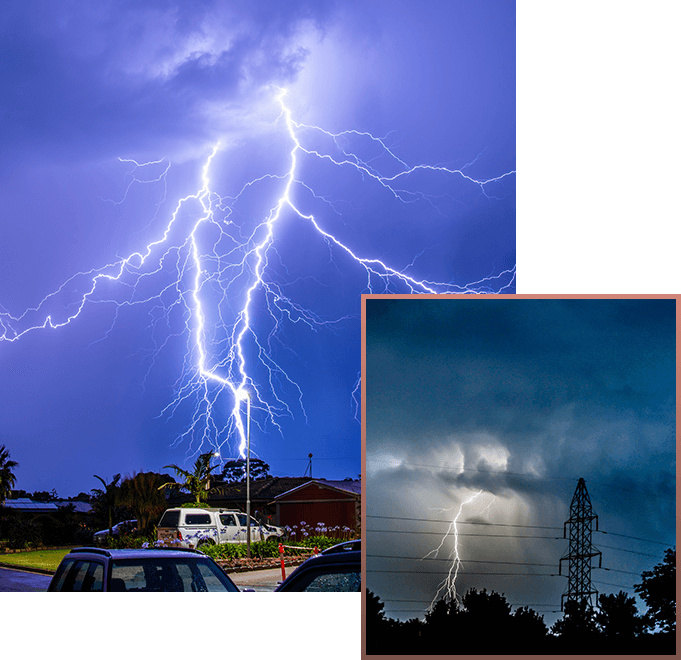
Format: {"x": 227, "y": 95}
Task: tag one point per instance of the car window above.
{"x": 228, "y": 519}
{"x": 338, "y": 580}
{"x": 197, "y": 519}
{"x": 169, "y": 574}
{"x": 170, "y": 519}
{"x": 78, "y": 575}
{"x": 242, "y": 519}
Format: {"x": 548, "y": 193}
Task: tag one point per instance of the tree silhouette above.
{"x": 142, "y": 495}
{"x": 528, "y": 628}
{"x": 577, "y": 629}
{"x": 196, "y": 482}
{"x": 618, "y": 616}
{"x": 235, "y": 470}
{"x": 377, "y": 627}
{"x": 658, "y": 590}
{"x": 108, "y": 497}
{"x": 7, "y": 477}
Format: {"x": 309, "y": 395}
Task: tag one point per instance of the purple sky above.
{"x": 111, "y": 112}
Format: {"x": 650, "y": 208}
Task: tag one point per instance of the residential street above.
{"x": 17, "y": 580}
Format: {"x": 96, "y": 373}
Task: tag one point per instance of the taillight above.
{"x": 179, "y": 534}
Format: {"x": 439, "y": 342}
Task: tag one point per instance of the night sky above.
{"x": 111, "y": 111}
{"x": 516, "y": 399}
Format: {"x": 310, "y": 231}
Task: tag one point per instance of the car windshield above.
{"x": 169, "y": 574}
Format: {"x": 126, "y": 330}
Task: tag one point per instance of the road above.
{"x": 17, "y": 580}
{"x": 266, "y": 580}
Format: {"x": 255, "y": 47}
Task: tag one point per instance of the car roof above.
{"x": 129, "y": 553}
{"x": 350, "y": 557}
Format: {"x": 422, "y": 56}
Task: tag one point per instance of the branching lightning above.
{"x": 448, "y": 586}
{"x": 219, "y": 280}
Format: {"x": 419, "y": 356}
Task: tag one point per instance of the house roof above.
{"x": 354, "y": 487}
{"x": 26, "y": 504}
{"x": 262, "y": 489}
{"x": 78, "y": 507}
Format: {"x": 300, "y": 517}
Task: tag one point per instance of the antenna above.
{"x": 309, "y": 466}
{"x": 581, "y": 550}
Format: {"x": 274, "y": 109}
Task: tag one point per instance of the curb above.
{"x": 269, "y": 567}
{"x": 27, "y": 569}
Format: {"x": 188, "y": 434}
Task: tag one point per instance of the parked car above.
{"x": 336, "y": 569}
{"x": 193, "y": 527}
{"x": 346, "y": 546}
{"x": 124, "y": 527}
{"x": 158, "y": 569}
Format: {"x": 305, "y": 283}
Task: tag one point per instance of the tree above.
{"x": 485, "y": 611}
{"x": 109, "y": 497}
{"x": 529, "y": 627}
{"x": 141, "y": 493}
{"x": 196, "y": 482}
{"x": 658, "y": 590}
{"x": 7, "y": 477}
{"x": 618, "y": 616}
{"x": 235, "y": 470}
{"x": 579, "y": 623}
{"x": 379, "y": 630}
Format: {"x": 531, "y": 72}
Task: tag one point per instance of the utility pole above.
{"x": 581, "y": 551}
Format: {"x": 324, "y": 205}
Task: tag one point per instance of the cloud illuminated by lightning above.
{"x": 212, "y": 274}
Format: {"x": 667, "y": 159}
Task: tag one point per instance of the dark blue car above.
{"x": 96, "y": 569}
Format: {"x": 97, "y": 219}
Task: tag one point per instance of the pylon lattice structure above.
{"x": 580, "y": 552}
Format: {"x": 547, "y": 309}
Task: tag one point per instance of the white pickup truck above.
{"x": 194, "y": 527}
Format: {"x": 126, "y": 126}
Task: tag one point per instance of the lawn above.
{"x": 45, "y": 559}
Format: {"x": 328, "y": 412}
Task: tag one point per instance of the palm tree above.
{"x": 196, "y": 482}
{"x": 141, "y": 493}
{"x": 109, "y": 497}
{"x": 7, "y": 477}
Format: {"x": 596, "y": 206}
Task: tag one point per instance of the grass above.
{"x": 45, "y": 559}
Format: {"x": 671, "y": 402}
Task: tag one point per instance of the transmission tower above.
{"x": 581, "y": 551}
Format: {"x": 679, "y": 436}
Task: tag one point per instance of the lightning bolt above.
{"x": 448, "y": 586}
{"x": 220, "y": 282}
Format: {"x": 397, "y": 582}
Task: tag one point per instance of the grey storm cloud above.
{"x": 136, "y": 72}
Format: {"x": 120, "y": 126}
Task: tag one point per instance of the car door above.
{"x": 230, "y": 530}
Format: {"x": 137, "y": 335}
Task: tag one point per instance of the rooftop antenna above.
{"x": 309, "y": 466}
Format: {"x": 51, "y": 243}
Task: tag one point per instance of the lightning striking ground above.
{"x": 448, "y": 586}
{"x": 220, "y": 282}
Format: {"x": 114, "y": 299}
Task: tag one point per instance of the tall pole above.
{"x": 248, "y": 480}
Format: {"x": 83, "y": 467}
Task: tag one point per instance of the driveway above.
{"x": 265, "y": 580}
{"x": 17, "y": 580}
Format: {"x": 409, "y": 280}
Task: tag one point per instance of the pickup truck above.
{"x": 194, "y": 527}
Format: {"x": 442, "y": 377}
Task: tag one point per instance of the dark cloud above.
{"x": 110, "y": 76}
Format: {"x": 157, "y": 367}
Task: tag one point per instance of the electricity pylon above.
{"x": 581, "y": 551}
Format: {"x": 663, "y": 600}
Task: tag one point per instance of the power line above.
{"x": 449, "y": 522}
{"x": 463, "y": 561}
{"x": 635, "y": 538}
{"x": 372, "y": 570}
{"x": 502, "y": 536}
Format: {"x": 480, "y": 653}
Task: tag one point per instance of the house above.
{"x": 333, "y": 503}
{"x": 233, "y": 496}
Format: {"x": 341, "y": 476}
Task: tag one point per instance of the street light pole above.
{"x": 248, "y": 479}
